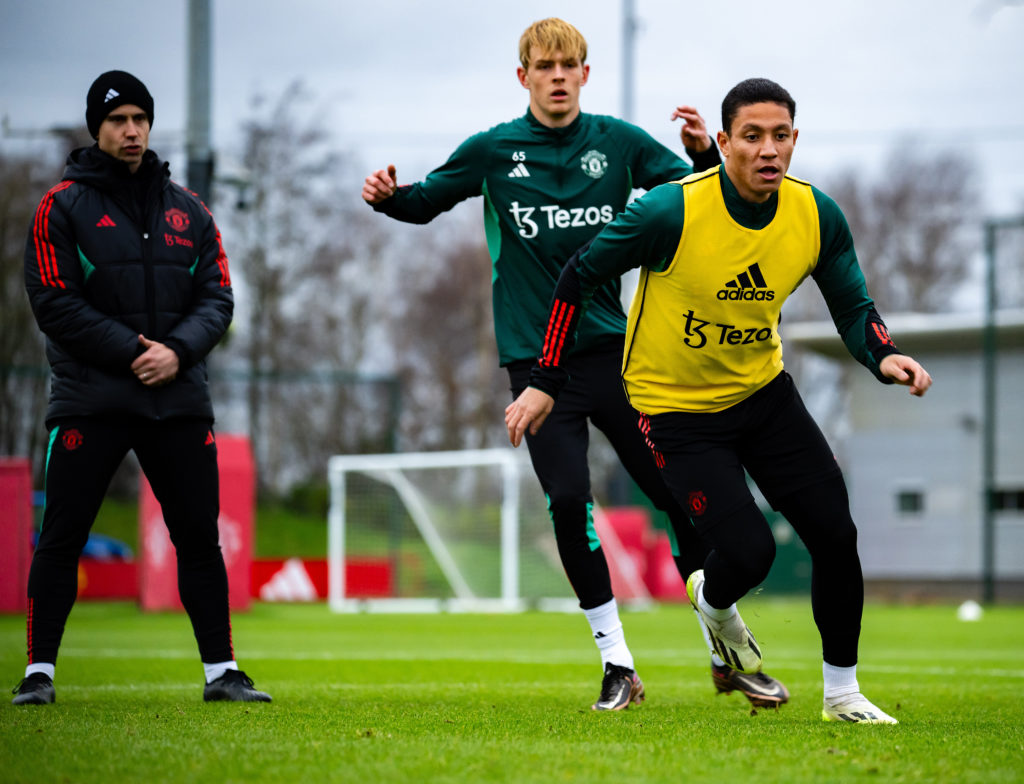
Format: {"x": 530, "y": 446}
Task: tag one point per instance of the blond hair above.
{"x": 552, "y": 35}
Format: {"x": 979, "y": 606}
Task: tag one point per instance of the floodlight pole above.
{"x": 197, "y": 142}
{"x": 988, "y": 437}
{"x": 629, "y": 28}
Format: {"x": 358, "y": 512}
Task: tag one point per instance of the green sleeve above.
{"x": 457, "y": 179}
{"x": 841, "y": 281}
{"x": 651, "y": 162}
{"x": 646, "y": 234}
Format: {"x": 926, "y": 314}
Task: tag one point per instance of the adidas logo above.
{"x": 519, "y": 171}
{"x": 111, "y": 93}
{"x": 106, "y": 220}
{"x": 748, "y": 286}
{"x": 292, "y": 583}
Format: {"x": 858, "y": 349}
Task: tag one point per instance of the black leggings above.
{"x": 559, "y": 456}
{"x": 773, "y": 437}
{"x": 179, "y": 457}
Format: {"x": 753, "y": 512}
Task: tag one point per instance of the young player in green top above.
{"x": 550, "y": 180}
{"x": 719, "y": 254}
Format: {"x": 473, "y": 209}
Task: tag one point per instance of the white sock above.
{"x": 839, "y": 681}
{"x": 46, "y": 668}
{"x": 715, "y": 658}
{"x": 214, "y": 671}
{"x": 608, "y": 634}
{"x": 714, "y": 612}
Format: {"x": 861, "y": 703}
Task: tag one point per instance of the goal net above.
{"x": 460, "y": 531}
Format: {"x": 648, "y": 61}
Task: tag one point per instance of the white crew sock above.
{"x": 714, "y": 612}
{"x": 608, "y": 634}
{"x": 715, "y": 658}
{"x": 214, "y": 671}
{"x": 46, "y": 668}
{"x": 839, "y": 681}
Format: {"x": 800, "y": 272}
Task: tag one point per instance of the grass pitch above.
{"x": 505, "y": 698}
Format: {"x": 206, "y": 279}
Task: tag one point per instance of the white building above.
{"x": 915, "y": 467}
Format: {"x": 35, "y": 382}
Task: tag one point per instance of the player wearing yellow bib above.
{"x": 550, "y": 179}
{"x": 719, "y": 254}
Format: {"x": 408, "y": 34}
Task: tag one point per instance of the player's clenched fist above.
{"x": 380, "y": 185}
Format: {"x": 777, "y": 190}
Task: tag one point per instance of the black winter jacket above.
{"x": 110, "y": 256}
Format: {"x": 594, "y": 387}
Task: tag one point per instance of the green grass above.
{"x": 470, "y": 698}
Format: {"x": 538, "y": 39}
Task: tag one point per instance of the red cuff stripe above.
{"x": 882, "y": 333}
{"x": 563, "y": 332}
{"x": 556, "y": 316}
{"x": 554, "y": 338}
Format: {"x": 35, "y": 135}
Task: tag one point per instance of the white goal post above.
{"x": 461, "y": 531}
{"x": 391, "y": 470}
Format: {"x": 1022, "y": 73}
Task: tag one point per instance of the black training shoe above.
{"x": 234, "y": 686}
{"x": 35, "y": 689}
{"x": 620, "y": 687}
{"x": 762, "y": 690}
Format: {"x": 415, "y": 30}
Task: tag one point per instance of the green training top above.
{"x": 547, "y": 191}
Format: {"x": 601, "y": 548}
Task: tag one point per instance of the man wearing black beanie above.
{"x": 111, "y": 90}
{"x": 128, "y": 280}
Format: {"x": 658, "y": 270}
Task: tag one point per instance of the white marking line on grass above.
{"x": 898, "y": 670}
{"x": 549, "y": 657}
{"x": 417, "y": 686}
{"x": 129, "y": 687}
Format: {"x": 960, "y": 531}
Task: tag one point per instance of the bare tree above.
{"x": 303, "y": 260}
{"x": 916, "y": 228}
{"x": 455, "y": 392}
{"x": 23, "y": 373}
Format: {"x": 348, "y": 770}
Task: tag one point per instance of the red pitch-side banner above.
{"x": 158, "y": 566}
{"x": 15, "y": 532}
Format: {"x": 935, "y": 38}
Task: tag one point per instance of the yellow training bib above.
{"x": 703, "y": 334}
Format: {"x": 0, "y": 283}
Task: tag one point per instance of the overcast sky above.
{"x": 405, "y": 82}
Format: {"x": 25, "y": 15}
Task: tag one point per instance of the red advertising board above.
{"x": 158, "y": 568}
{"x": 15, "y": 532}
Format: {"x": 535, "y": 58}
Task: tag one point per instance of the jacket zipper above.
{"x": 147, "y": 263}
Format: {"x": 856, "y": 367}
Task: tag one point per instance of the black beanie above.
{"x": 113, "y": 89}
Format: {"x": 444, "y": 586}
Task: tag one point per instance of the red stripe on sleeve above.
{"x": 222, "y": 261}
{"x": 222, "y": 257}
{"x": 46, "y": 254}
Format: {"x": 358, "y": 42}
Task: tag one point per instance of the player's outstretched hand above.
{"x": 380, "y": 185}
{"x": 529, "y": 410}
{"x": 906, "y": 371}
{"x": 694, "y": 132}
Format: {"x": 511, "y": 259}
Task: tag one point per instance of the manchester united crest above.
{"x": 72, "y": 439}
{"x": 594, "y": 164}
{"x": 177, "y": 219}
{"x": 698, "y": 503}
